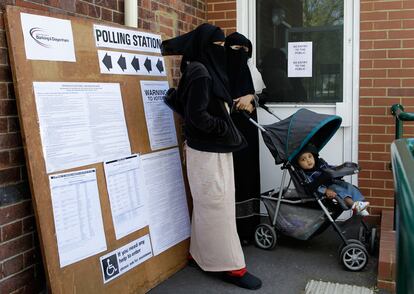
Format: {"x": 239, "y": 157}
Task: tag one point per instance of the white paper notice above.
{"x": 126, "y": 188}
{"x": 77, "y": 215}
{"x": 47, "y": 38}
{"x": 80, "y": 123}
{"x": 125, "y": 258}
{"x": 169, "y": 220}
{"x": 160, "y": 119}
{"x": 299, "y": 59}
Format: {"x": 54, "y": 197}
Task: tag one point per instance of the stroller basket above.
{"x": 295, "y": 221}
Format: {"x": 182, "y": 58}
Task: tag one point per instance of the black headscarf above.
{"x": 197, "y": 45}
{"x": 240, "y": 79}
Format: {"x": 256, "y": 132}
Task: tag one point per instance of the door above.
{"x": 325, "y": 77}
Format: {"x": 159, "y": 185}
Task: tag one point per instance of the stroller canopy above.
{"x": 286, "y": 138}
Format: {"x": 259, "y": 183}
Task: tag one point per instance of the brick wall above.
{"x": 386, "y": 77}
{"x": 21, "y": 268}
{"x": 222, "y": 13}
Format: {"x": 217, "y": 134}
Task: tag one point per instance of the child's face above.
{"x": 306, "y": 160}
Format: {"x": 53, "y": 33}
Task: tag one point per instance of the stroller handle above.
{"x": 247, "y": 116}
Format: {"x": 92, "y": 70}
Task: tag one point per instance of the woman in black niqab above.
{"x": 211, "y": 137}
{"x": 246, "y": 161}
{"x": 198, "y": 45}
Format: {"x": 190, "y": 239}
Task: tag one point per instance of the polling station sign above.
{"x": 125, "y": 258}
{"x": 111, "y": 37}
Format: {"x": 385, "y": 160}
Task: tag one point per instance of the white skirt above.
{"x": 215, "y": 245}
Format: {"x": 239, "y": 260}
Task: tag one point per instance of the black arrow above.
{"x": 135, "y": 63}
{"x": 107, "y": 61}
{"x": 148, "y": 65}
{"x": 160, "y": 66}
{"x": 122, "y": 63}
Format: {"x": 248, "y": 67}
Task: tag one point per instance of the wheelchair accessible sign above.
{"x": 125, "y": 258}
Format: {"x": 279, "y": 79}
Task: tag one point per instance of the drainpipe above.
{"x": 131, "y": 13}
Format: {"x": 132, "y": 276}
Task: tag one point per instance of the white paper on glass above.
{"x": 122, "y": 63}
{"x": 115, "y": 37}
{"x": 169, "y": 220}
{"x": 80, "y": 123}
{"x": 159, "y": 117}
{"x": 77, "y": 215}
{"x": 125, "y": 258}
{"x": 47, "y": 38}
{"x": 299, "y": 59}
{"x": 126, "y": 189}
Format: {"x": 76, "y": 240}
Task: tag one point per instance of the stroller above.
{"x": 298, "y": 212}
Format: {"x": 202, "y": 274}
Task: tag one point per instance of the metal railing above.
{"x": 397, "y": 110}
{"x": 402, "y": 154}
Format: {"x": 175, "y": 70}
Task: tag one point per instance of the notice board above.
{"x": 102, "y": 152}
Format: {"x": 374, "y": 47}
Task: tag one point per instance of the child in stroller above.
{"x": 301, "y": 212}
{"x": 314, "y": 167}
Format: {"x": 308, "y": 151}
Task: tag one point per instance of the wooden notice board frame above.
{"x": 84, "y": 276}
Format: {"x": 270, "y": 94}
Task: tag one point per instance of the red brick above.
{"x": 11, "y": 266}
{"x": 13, "y": 125}
{"x": 403, "y": 14}
{"x": 382, "y": 138}
{"x": 17, "y": 281}
{"x": 106, "y": 14}
{"x": 401, "y": 54}
{"x": 17, "y": 157}
{"x": 387, "y": 63}
{"x": 8, "y": 107}
{"x": 381, "y": 156}
{"x": 408, "y": 23}
{"x": 365, "y": 101}
{"x": 383, "y": 193}
{"x": 23, "y": 3}
{"x": 408, "y": 63}
{"x": 373, "y": 15}
{"x": 3, "y": 125}
{"x": 366, "y": 44}
{"x": 372, "y": 129}
{"x": 403, "y": 34}
{"x": 373, "y": 92}
{"x": 213, "y": 15}
{"x": 8, "y": 141}
{"x": 371, "y": 183}
{"x": 387, "y": 82}
{"x": 82, "y": 7}
{"x": 393, "y": 5}
{"x": 373, "y": 165}
{"x": 372, "y": 111}
{"x": 9, "y": 175}
{"x": 15, "y": 211}
{"x": 11, "y": 231}
{"x": 373, "y": 54}
{"x": 16, "y": 246}
{"x": 373, "y": 35}
{"x": 31, "y": 257}
{"x": 406, "y": 92}
{"x": 3, "y": 90}
{"x": 4, "y": 159}
{"x": 366, "y": 6}
{"x": 401, "y": 73}
{"x": 224, "y": 6}
{"x": 382, "y": 175}
{"x": 373, "y": 73}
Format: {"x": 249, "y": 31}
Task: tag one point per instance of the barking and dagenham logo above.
{"x": 44, "y": 39}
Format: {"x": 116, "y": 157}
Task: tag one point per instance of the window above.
{"x": 279, "y": 22}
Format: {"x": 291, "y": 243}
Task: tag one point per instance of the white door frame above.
{"x": 349, "y": 109}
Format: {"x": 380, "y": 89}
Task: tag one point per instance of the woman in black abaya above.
{"x": 211, "y": 137}
{"x": 246, "y": 161}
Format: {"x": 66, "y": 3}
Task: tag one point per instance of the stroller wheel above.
{"x": 265, "y": 237}
{"x": 354, "y": 257}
